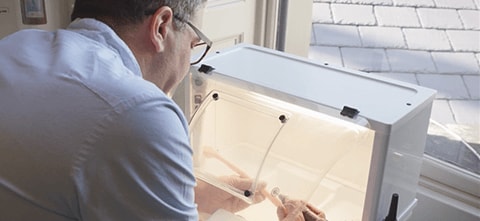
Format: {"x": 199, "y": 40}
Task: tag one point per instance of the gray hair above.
{"x": 124, "y": 12}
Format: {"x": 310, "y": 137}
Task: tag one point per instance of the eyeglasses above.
{"x": 201, "y": 48}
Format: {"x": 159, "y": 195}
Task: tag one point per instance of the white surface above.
{"x": 464, "y": 4}
{"x": 223, "y": 215}
{"x": 351, "y": 14}
{"x": 473, "y": 86}
{"x": 439, "y": 18}
{"x": 393, "y": 166}
{"x": 396, "y": 16}
{"x": 459, "y": 63}
{"x": 321, "y": 13}
{"x": 448, "y": 86}
{"x": 464, "y": 40}
{"x": 320, "y": 84}
{"x": 360, "y": 59}
{"x": 470, "y": 18}
{"x": 380, "y": 37}
{"x": 345, "y": 35}
{"x": 416, "y": 39}
{"x": 402, "y": 60}
{"x": 428, "y": 3}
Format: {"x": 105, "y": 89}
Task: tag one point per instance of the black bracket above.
{"x": 349, "y": 112}
{"x": 206, "y": 69}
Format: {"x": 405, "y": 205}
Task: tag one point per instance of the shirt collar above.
{"x": 102, "y": 33}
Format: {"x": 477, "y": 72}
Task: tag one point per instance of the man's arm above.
{"x": 138, "y": 166}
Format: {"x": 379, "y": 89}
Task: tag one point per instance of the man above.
{"x": 87, "y": 131}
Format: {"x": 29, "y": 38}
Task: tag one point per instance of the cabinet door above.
{"x": 229, "y": 22}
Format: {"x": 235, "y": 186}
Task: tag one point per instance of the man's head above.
{"x": 155, "y": 30}
{"x": 123, "y": 12}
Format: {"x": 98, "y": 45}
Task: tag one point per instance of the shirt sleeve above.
{"x": 138, "y": 166}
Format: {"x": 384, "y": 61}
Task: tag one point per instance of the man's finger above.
{"x": 316, "y": 210}
{"x": 311, "y": 216}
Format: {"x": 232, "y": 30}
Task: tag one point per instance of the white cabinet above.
{"x": 343, "y": 140}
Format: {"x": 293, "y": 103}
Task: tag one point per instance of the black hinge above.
{"x": 349, "y": 112}
{"x": 206, "y": 69}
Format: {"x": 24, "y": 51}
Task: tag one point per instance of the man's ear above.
{"x": 160, "y": 25}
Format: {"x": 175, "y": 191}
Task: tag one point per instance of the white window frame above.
{"x": 447, "y": 181}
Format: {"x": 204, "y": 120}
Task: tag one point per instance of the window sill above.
{"x": 451, "y": 181}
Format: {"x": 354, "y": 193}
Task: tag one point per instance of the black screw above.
{"x": 247, "y": 193}
{"x": 215, "y": 96}
{"x": 282, "y": 118}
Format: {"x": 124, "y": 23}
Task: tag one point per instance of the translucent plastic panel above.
{"x": 289, "y": 147}
{"x": 231, "y": 136}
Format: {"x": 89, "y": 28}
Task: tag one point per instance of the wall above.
{"x": 58, "y": 16}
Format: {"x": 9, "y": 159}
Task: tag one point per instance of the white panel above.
{"x": 228, "y": 22}
{"x": 334, "y": 87}
{"x": 297, "y": 39}
{"x": 397, "y": 112}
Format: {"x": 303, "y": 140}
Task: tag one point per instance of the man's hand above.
{"x": 210, "y": 198}
{"x": 297, "y": 210}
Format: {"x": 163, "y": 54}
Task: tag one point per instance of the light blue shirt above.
{"x": 83, "y": 136}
